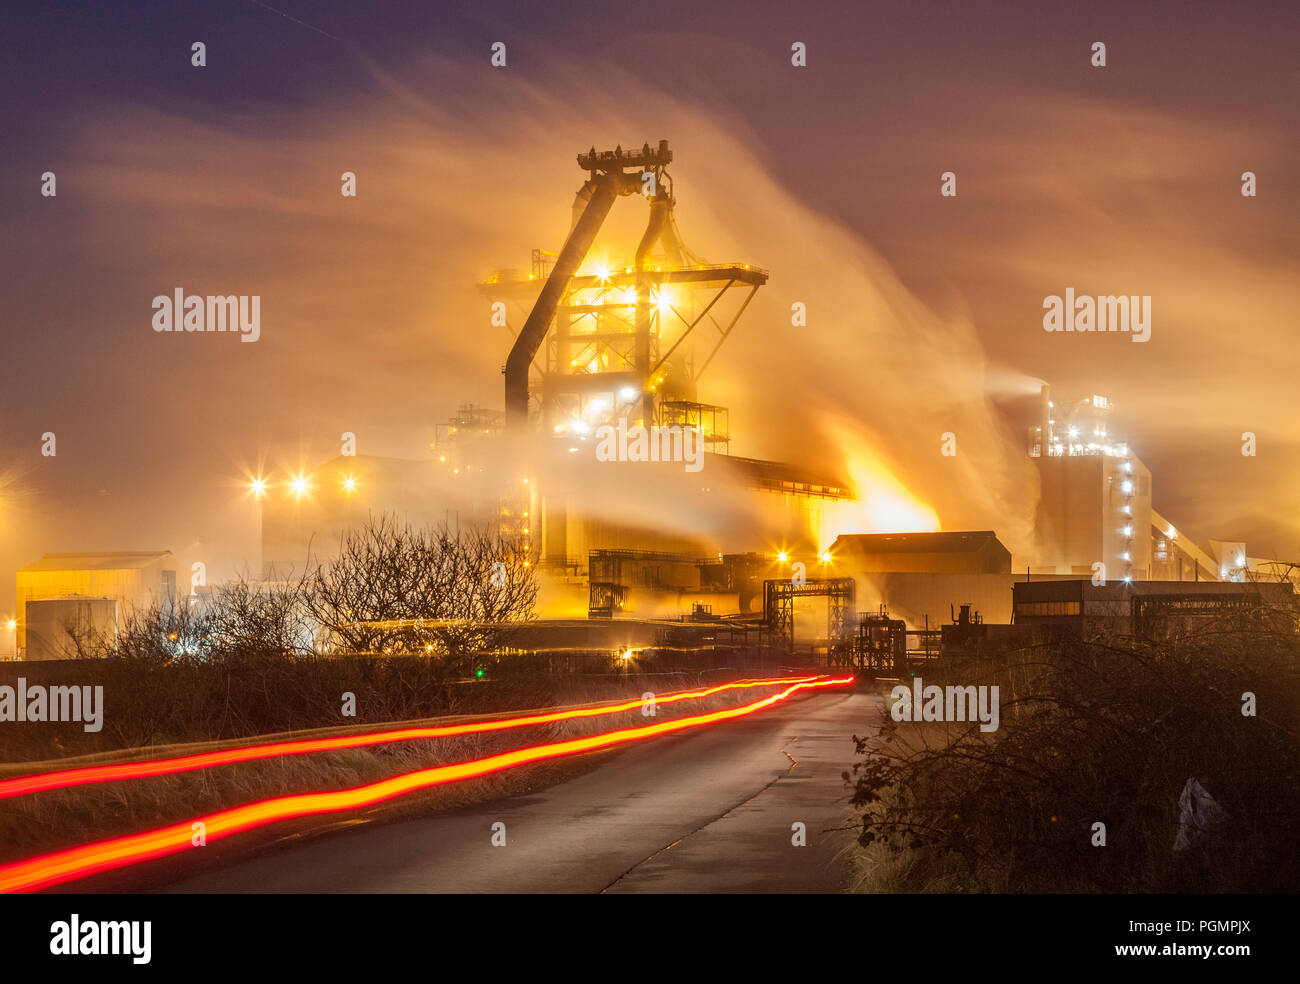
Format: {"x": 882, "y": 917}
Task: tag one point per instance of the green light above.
{"x": 478, "y": 674}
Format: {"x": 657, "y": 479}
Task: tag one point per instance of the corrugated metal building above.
{"x": 972, "y": 552}
{"x": 69, "y": 628}
{"x": 1146, "y": 609}
{"x": 131, "y": 578}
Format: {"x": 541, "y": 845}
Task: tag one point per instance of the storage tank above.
{"x": 70, "y": 627}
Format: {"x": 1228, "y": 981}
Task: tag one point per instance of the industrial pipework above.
{"x": 612, "y": 173}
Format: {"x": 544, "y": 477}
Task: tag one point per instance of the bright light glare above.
{"x": 349, "y": 484}
{"x": 258, "y": 487}
{"x": 882, "y": 501}
{"x": 782, "y": 557}
{"x": 299, "y": 485}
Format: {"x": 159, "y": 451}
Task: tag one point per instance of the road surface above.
{"x": 708, "y": 810}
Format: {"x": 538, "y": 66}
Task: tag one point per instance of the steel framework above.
{"x": 618, "y": 341}
{"x": 779, "y": 597}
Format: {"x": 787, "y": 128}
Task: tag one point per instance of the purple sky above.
{"x": 224, "y": 179}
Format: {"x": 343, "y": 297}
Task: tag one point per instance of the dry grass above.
{"x": 148, "y": 703}
{"x": 1095, "y": 733}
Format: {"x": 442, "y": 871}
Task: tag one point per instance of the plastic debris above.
{"x": 1197, "y": 813}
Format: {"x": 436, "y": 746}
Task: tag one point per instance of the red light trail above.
{"x": 47, "y": 870}
{"x": 146, "y": 768}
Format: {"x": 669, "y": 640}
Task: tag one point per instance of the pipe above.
{"x": 580, "y": 202}
{"x": 659, "y": 210}
{"x": 1044, "y": 419}
{"x": 604, "y": 189}
{"x": 672, "y": 240}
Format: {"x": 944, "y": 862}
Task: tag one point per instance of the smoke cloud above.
{"x": 371, "y": 322}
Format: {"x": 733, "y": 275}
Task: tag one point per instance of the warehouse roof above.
{"x": 778, "y": 476}
{"x": 957, "y": 542}
{"x": 113, "y": 560}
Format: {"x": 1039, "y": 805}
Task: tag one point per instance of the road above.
{"x": 710, "y": 810}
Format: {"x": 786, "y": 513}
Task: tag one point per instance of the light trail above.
{"x": 55, "y": 868}
{"x": 148, "y": 768}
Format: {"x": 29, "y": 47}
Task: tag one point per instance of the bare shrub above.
{"x": 394, "y": 589}
{"x": 1099, "y": 733}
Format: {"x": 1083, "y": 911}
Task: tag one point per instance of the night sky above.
{"x": 924, "y": 312}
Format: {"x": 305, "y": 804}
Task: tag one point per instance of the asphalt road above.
{"x": 710, "y": 810}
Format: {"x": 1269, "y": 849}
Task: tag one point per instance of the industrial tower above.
{"x": 618, "y": 338}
